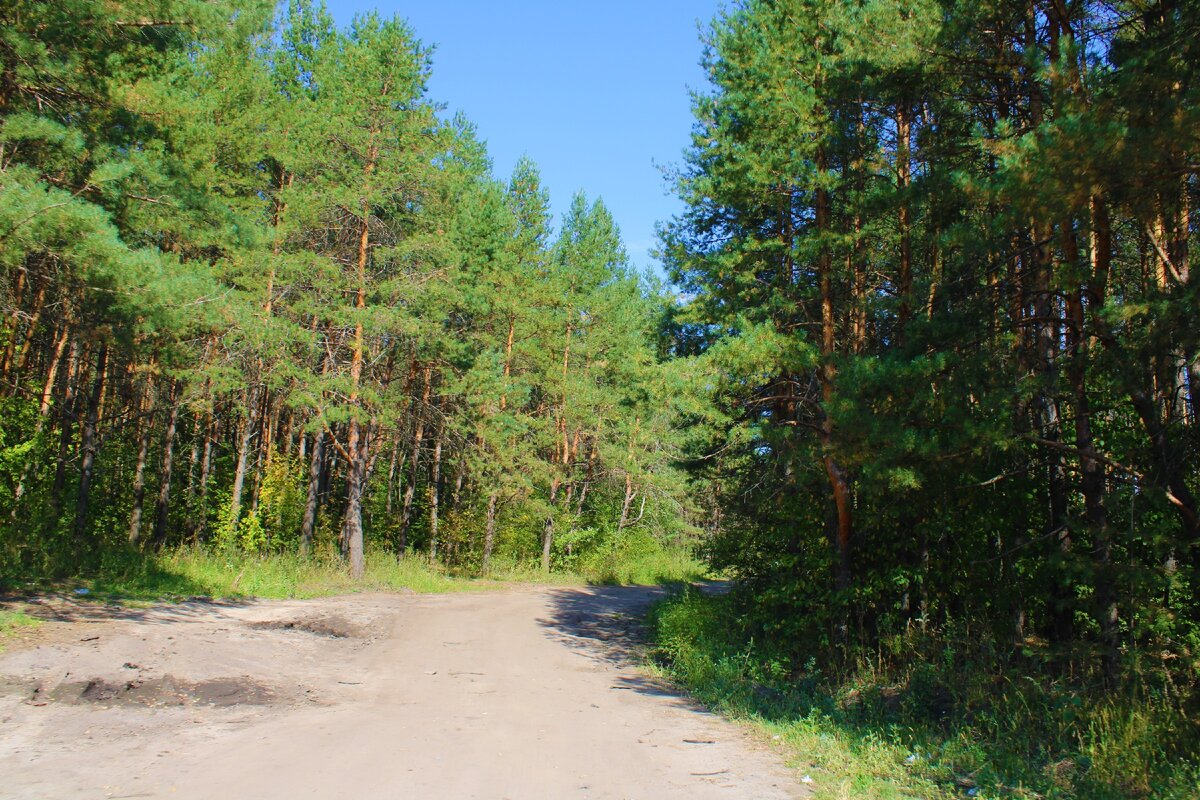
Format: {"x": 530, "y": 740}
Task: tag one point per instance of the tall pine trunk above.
{"x": 239, "y": 474}
{"x": 356, "y": 452}
{"x": 548, "y": 528}
{"x": 43, "y": 416}
{"x": 489, "y": 532}
{"x": 67, "y": 414}
{"x": 352, "y": 532}
{"x": 163, "y": 506}
{"x": 89, "y": 445}
{"x": 839, "y": 525}
{"x": 139, "y": 473}
{"x": 903, "y": 180}
{"x": 309, "y": 524}
{"x": 435, "y": 475}
{"x": 418, "y": 434}
{"x": 12, "y": 325}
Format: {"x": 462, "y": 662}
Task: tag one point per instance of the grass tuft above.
{"x": 12, "y": 622}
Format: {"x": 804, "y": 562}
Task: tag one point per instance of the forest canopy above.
{"x": 260, "y": 292}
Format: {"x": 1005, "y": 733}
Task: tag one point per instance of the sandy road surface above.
{"x": 520, "y": 694}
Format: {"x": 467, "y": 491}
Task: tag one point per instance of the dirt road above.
{"x": 520, "y": 694}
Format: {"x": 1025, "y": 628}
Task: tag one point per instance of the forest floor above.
{"x": 530, "y": 692}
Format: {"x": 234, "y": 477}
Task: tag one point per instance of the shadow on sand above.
{"x": 605, "y": 624}
{"x": 68, "y": 608}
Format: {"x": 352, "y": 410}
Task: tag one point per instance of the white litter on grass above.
{"x": 914, "y": 758}
{"x": 83, "y": 591}
{"x": 806, "y": 779}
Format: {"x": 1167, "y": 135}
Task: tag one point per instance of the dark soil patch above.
{"x": 164, "y": 691}
{"x": 333, "y": 627}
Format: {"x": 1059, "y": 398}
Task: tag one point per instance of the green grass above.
{"x": 198, "y": 572}
{"x": 649, "y": 567}
{"x": 931, "y": 730}
{"x": 12, "y": 622}
{"x": 204, "y": 572}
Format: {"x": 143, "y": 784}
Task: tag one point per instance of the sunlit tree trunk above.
{"x": 415, "y": 475}
{"x": 44, "y": 408}
{"x": 243, "y": 454}
{"x": 352, "y": 533}
{"x": 435, "y": 474}
{"x": 489, "y": 533}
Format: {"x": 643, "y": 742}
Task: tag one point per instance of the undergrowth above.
{"x": 231, "y": 572}
{"x": 930, "y": 728}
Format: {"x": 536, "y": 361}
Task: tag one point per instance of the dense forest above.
{"x": 941, "y": 269}
{"x": 259, "y": 293}
{"x": 926, "y": 381}
{"x": 941, "y": 265}
{"x": 938, "y": 262}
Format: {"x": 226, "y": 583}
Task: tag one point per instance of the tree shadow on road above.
{"x": 606, "y": 624}
{"x": 68, "y": 608}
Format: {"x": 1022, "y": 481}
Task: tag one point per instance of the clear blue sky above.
{"x": 595, "y": 92}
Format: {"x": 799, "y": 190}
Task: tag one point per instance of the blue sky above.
{"x": 595, "y": 92}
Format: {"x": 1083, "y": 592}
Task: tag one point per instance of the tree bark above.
{"x": 435, "y": 474}
{"x": 627, "y": 503}
{"x": 548, "y": 529}
{"x": 239, "y": 475}
{"x": 489, "y": 533}
{"x": 415, "y": 474}
{"x": 39, "y": 303}
{"x": 43, "y": 415}
{"x": 356, "y": 451}
{"x": 262, "y": 453}
{"x": 903, "y": 180}
{"x": 200, "y": 514}
{"x": 565, "y": 452}
{"x": 163, "y": 506}
{"x": 508, "y": 349}
{"x": 1049, "y": 421}
{"x": 146, "y": 407}
{"x": 391, "y": 478}
{"x": 352, "y": 532}
{"x": 1093, "y": 480}
{"x": 12, "y": 327}
{"x": 839, "y": 523}
{"x": 189, "y": 525}
{"x": 66, "y": 415}
{"x": 89, "y": 445}
{"x": 460, "y": 477}
{"x": 309, "y": 524}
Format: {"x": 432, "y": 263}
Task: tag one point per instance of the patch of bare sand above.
{"x": 515, "y": 694}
